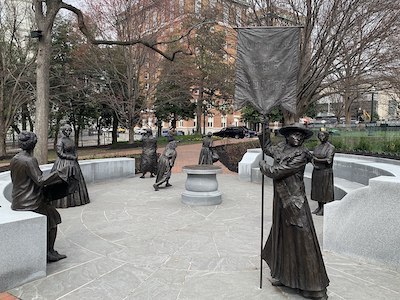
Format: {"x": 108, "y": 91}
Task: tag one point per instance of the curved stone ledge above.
{"x": 23, "y": 234}
{"x": 365, "y": 223}
{"x": 351, "y": 171}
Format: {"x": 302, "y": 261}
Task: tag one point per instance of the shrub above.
{"x": 231, "y": 154}
{"x": 363, "y": 145}
{"x": 391, "y": 146}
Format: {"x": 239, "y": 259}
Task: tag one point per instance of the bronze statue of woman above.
{"x": 322, "y": 188}
{"x": 292, "y": 250}
{"x": 28, "y": 189}
{"x": 206, "y": 154}
{"x": 67, "y": 156}
{"x": 165, "y": 164}
{"x": 149, "y": 154}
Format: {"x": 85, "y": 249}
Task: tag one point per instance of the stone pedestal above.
{"x": 201, "y": 186}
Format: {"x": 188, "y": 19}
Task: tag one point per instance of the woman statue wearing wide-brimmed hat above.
{"x": 292, "y": 250}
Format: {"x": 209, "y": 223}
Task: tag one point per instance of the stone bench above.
{"x": 364, "y": 223}
{"x": 23, "y": 234}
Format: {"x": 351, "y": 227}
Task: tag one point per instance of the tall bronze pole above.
{"x": 264, "y": 127}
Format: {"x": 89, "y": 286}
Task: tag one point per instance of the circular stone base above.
{"x": 201, "y": 198}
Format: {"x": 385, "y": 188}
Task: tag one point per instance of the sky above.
{"x": 76, "y": 3}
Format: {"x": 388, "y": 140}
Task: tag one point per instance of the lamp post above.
{"x": 370, "y": 131}
{"x": 204, "y": 116}
{"x": 372, "y": 106}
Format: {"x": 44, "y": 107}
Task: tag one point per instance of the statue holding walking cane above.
{"x": 292, "y": 250}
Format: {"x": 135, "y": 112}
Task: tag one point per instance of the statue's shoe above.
{"x": 58, "y": 255}
{"x": 51, "y": 257}
{"x": 275, "y": 282}
{"x": 155, "y": 186}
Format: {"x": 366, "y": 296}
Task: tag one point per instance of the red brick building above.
{"x": 164, "y": 19}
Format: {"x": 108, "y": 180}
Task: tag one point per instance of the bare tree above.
{"x": 16, "y": 61}
{"x": 345, "y": 43}
{"x": 45, "y": 14}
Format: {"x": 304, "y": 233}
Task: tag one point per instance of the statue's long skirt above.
{"x": 293, "y": 253}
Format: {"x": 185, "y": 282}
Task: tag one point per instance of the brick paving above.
{"x": 7, "y": 296}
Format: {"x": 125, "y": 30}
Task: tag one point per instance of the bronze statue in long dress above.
{"x": 29, "y": 185}
{"x": 206, "y": 154}
{"x": 67, "y": 156}
{"x": 165, "y": 164}
{"x": 292, "y": 250}
{"x": 322, "y": 188}
{"x": 149, "y": 154}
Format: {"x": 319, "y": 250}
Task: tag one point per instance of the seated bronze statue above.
{"x": 32, "y": 191}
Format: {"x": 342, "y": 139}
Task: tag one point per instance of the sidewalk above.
{"x": 131, "y": 242}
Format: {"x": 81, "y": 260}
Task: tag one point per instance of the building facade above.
{"x": 164, "y": 21}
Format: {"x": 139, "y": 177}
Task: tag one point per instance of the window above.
{"x": 147, "y": 86}
{"x": 226, "y": 14}
{"x": 155, "y": 20}
{"x": 181, "y": 6}
{"x": 210, "y": 122}
{"x": 197, "y": 7}
{"x": 223, "y": 121}
{"x": 171, "y": 12}
{"x": 162, "y": 17}
{"x": 180, "y": 124}
{"x": 238, "y": 18}
{"x": 146, "y": 76}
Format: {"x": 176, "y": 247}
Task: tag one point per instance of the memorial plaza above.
{"x": 132, "y": 242}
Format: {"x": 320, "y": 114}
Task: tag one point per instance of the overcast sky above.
{"x": 76, "y": 3}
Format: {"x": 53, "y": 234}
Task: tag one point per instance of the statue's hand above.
{"x": 314, "y": 165}
{"x": 263, "y": 164}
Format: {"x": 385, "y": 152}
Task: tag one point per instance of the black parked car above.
{"x": 250, "y": 133}
{"x": 237, "y": 132}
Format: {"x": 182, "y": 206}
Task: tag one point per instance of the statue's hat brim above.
{"x": 285, "y": 131}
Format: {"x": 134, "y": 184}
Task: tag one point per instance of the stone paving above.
{"x": 131, "y": 242}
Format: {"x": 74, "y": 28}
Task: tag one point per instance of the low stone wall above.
{"x": 23, "y": 234}
{"x": 364, "y": 223}
{"x": 351, "y": 171}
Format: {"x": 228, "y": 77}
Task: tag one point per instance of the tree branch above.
{"x": 151, "y": 45}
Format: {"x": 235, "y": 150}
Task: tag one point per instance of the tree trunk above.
{"x": 114, "y": 130}
{"x": 288, "y": 117}
{"x": 3, "y": 134}
{"x": 76, "y": 137}
{"x": 56, "y": 130}
{"x": 98, "y": 131}
{"x": 3, "y": 137}
{"x": 199, "y": 108}
{"x": 42, "y": 97}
